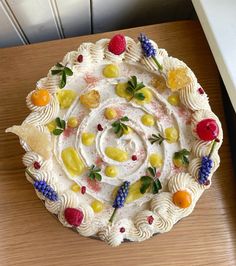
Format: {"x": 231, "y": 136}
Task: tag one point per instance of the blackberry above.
{"x": 46, "y": 190}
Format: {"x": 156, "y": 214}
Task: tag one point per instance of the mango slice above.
{"x": 72, "y": 161}
{"x": 116, "y": 154}
{"x": 66, "y": 98}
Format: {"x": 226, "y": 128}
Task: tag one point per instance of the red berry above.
{"x": 117, "y": 44}
{"x": 122, "y": 229}
{"x": 83, "y": 190}
{"x": 134, "y": 158}
{"x": 80, "y": 58}
{"x": 207, "y": 129}
{"x": 73, "y": 216}
{"x": 201, "y": 91}
{"x": 37, "y": 165}
{"x": 99, "y": 127}
{"x": 150, "y": 219}
{"x": 207, "y": 183}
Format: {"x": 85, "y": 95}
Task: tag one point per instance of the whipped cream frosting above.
{"x": 134, "y": 216}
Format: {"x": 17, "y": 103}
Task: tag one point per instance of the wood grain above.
{"x": 31, "y": 236}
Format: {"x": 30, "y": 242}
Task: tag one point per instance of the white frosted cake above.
{"x": 121, "y": 141}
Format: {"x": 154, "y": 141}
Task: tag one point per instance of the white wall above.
{"x": 31, "y": 21}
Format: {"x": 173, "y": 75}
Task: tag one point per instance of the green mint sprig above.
{"x": 94, "y": 173}
{"x": 120, "y": 127}
{"x": 183, "y": 156}
{"x": 149, "y": 181}
{"x": 156, "y": 138}
{"x": 133, "y": 89}
{"x": 63, "y": 71}
{"x": 61, "y": 125}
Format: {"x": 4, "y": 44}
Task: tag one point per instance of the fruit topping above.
{"x": 90, "y": 99}
{"x": 150, "y": 219}
{"x": 75, "y": 187}
{"x": 73, "y": 216}
{"x": 159, "y": 83}
{"x": 147, "y": 96}
{"x": 201, "y": 91}
{"x": 122, "y": 229}
{"x": 117, "y": 44}
{"x": 171, "y": 134}
{"x": 52, "y": 125}
{"x": 88, "y": 138}
{"x": 72, "y": 122}
{"x": 116, "y": 154}
{"x": 97, "y": 206}
{"x": 178, "y": 78}
{"x": 99, "y": 127}
{"x": 80, "y": 58}
{"x": 180, "y": 158}
{"x": 134, "y": 158}
{"x": 121, "y": 90}
{"x": 111, "y": 71}
{"x": 111, "y": 171}
{"x": 182, "y": 199}
{"x": 66, "y": 98}
{"x": 148, "y": 120}
{"x": 207, "y": 129}
{"x": 83, "y": 190}
{"x": 110, "y": 113}
{"x": 156, "y": 160}
{"x": 37, "y": 165}
{"x": 40, "y": 97}
{"x": 173, "y": 99}
{"x": 72, "y": 161}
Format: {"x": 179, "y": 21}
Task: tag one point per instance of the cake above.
{"x": 121, "y": 141}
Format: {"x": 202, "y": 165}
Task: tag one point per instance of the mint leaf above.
{"x": 58, "y": 122}
{"x": 57, "y": 131}
{"x": 124, "y": 118}
{"x": 63, "y": 124}
{"x": 152, "y": 171}
{"x": 68, "y": 71}
{"x": 146, "y": 182}
{"x": 56, "y": 71}
{"x": 59, "y": 65}
{"x": 98, "y": 177}
{"x": 63, "y": 80}
{"x": 139, "y": 96}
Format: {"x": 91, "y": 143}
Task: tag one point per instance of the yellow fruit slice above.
{"x": 148, "y": 120}
{"x": 88, "y": 138}
{"x": 72, "y": 161}
{"x": 75, "y": 188}
{"x": 156, "y": 160}
{"x": 116, "y": 154}
{"x": 90, "y": 99}
{"x": 173, "y": 99}
{"x": 110, "y": 113}
{"x": 171, "y": 134}
{"x": 111, "y": 71}
{"x": 178, "y": 78}
{"x": 147, "y": 94}
{"x": 97, "y": 206}
{"x": 111, "y": 171}
{"x": 52, "y": 125}
{"x": 66, "y": 98}
{"x": 72, "y": 122}
{"x": 121, "y": 91}
{"x": 127, "y": 131}
{"x": 39, "y": 142}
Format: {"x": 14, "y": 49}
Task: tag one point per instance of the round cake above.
{"x": 121, "y": 141}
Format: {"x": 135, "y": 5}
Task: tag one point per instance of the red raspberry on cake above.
{"x": 117, "y": 44}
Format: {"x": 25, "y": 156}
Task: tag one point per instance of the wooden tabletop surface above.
{"x": 29, "y": 235}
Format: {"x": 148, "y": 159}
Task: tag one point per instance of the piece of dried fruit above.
{"x": 178, "y": 78}
{"x": 39, "y": 142}
{"x": 90, "y": 99}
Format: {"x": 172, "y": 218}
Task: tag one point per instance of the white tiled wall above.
{"x": 31, "y": 21}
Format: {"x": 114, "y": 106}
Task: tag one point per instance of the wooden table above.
{"x": 29, "y": 235}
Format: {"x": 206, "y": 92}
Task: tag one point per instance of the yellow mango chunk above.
{"x": 72, "y": 122}
{"x": 52, "y": 125}
{"x": 66, "y": 98}
{"x": 75, "y": 188}
{"x": 148, "y": 120}
{"x": 72, "y": 161}
{"x": 116, "y": 154}
{"x": 127, "y": 131}
{"x": 173, "y": 99}
{"x": 110, "y": 113}
{"x": 88, "y": 138}
{"x": 111, "y": 171}
{"x": 90, "y": 99}
{"x": 156, "y": 160}
{"x": 147, "y": 94}
{"x": 97, "y": 206}
{"x": 178, "y": 78}
{"x": 111, "y": 71}
{"x": 121, "y": 91}
{"x": 171, "y": 134}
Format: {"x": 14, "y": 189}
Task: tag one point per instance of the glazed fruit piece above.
{"x": 110, "y": 113}
{"x": 111, "y": 171}
{"x": 171, "y": 134}
{"x": 66, "y": 98}
{"x": 117, "y": 44}
{"x": 111, "y": 71}
{"x": 121, "y": 91}
{"x": 156, "y": 160}
{"x": 40, "y": 97}
{"x": 207, "y": 129}
{"x": 182, "y": 199}
{"x": 148, "y": 120}
{"x": 147, "y": 94}
{"x": 178, "y": 78}
{"x": 72, "y": 122}
{"x": 87, "y": 138}
{"x": 97, "y": 206}
{"x": 116, "y": 154}
{"x": 73, "y": 216}
{"x": 90, "y": 99}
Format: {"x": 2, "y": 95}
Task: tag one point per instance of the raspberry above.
{"x": 73, "y": 216}
{"x": 117, "y": 44}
